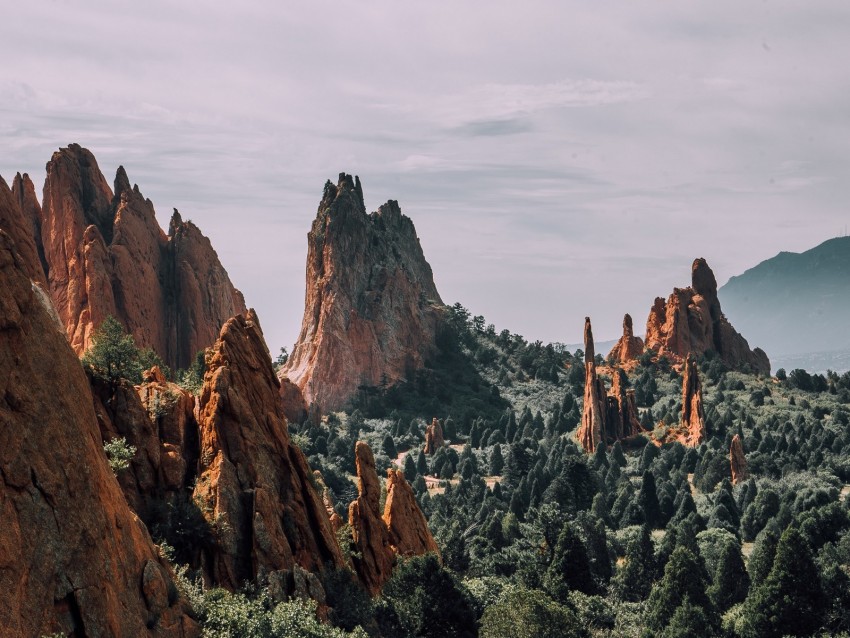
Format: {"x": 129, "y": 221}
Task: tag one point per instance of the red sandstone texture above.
{"x": 17, "y": 226}
{"x": 74, "y": 559}
{"x": 692, "y": 322}
{"x": 629, "y": 347}
{"x": 106, "y": 255}
{"x": 371, "y": 311}
{"x": 591, "y": 432}
{"x": 254, "y": 485}
{"x": 434, "y": 439}
{"x": 693, "y": 414}
{"x": 622, "y": 419}
{"x": 401, "y": 530}
{"x": 737, "y": 461}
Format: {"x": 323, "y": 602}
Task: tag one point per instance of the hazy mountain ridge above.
{"x": 794, "y": 303}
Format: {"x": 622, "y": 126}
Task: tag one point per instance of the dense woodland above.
{"x": 540, "y": 539}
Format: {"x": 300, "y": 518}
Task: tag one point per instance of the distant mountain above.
{"x": 794, "y": 303}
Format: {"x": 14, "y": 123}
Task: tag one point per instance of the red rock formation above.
{"x": 691, "y": 322}
{"x": 371, "y": 308}
{"x": 15, "y": 224}
{"x": 434, "y": 439}
{"x": 73, "y": 558}
{"x": 592, "y": 430}
{"x": 622, "y": 419}
{"x": 693, "y": 414}
{"x": 408, "y": 529}
{"x": 374, "y": 562}
{"x": 738, "y": 461}
{"x": 628, "y": 347}
{"x": 24, "y": 192}
{"x": 106, "y": 255}
{"x": 254, "y": 486}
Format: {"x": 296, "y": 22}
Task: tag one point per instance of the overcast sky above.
{"x": 559, "y": 159}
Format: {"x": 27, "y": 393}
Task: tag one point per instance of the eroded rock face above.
{"x": 254, "y": 486}
{"x": 106, "y": 255}
{"x": 691, "y": 322}
{"x": 622, "y": 418}
{"x": 370, "y": 534}
{"x": 434, "y": 438}
{"x": 738, "y": 461}
{"x": 693, "y": 414}
{"x": 408, "y": 529}
{"x": 628, "y": 347}
{"x": 372, "y": 310}
{"x": 73, "y": 558}
{"x": 592, "y": 430}
{"x": 17, "y": 226}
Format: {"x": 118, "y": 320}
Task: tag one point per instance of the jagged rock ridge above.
{"x": 691, "y": 321}
{"x": 628, "y": 347}
{"x": 104, "y": 254}
{"x": 254, "y": 485}
{"x": 371, "y": 311}
{"x": 73, "y": 558}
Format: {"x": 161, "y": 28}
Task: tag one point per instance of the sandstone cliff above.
{"x": 591, "y": 432}
{"x": 629, "y": 347}
{"x": 254, "y": 486}
{"x": 106, "y": 255}
{"x": 14, "y": 222}
{"x": 737, "y": 461}
{"x": 622, "y": 419}
{"x": 691, "y": 322}
{"x": 693, "y": 414}
{"x": 371, "y": 311}
{"x": 73, "y": 558}
{"x": 408, "y": 529}
{"x": 375, "y": 559}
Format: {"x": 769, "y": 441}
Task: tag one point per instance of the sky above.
{"x": 559, "y": 159}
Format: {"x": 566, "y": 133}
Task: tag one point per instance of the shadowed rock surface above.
{"x": 737, "y": 461}
{"x": 434, "y": 439}
{"x": 15, "y": 223}
{"x": 371, "y": 310}
{"x": 106, "y": 255}
{"x": 693, "y": 413}
{"x": 628, "y": 347}
{"x": 591, "y": 432}
{"x": 73, "y": 558}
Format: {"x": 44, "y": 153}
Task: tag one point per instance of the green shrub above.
{"x": 119, "y": 454}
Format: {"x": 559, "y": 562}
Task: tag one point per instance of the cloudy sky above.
{"x": 558, "y": 161}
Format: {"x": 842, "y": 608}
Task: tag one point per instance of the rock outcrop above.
{"x": 592, "y": 430}
{"x": 692, "y": 322}
{"x": 408, "y": 529}
{"x": 157, "y": 419}
{"x": 254, "y": 485}
{"x": 401, "y": 531}
{"x": 621, "y": 421}
{"x": 693, "y": 414}
{"x": 106, "y": 255}
{"x": 372, "y": 311}
{"x": 434, "y": 438}
{"x": 375, "y": 557}
{"x": 17, "y": 226}
{"x": 73, "y": 558}
{"x": 629, "y": 347}
{"x": 738, "y": 461}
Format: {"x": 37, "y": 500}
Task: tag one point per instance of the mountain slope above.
{"x": 795, "y": 302}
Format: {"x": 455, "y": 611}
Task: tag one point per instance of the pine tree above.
{"x": 421, "y": 464}
{"x": 648, "y": 501}
{"x": 789, "y": 601}
{"x": 684, "y": 579}
{"x": 409, "y": 468}
{"x": 497, "y": 462}
{"x": 731, "y": 581}
{"x": 634, "y": 578}
{"x": 570, "y": 567}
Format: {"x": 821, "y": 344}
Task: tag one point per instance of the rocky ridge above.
{"x": 74, "y": 558}
{"x": 371, "y": 311}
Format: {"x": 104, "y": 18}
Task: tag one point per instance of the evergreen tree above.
{"x": 421, "y": 464}
{"x": 570, "y": 567}
{"x": 761, "y": 558}
{"x": 789, "y": 601}
{"x": 497, "y": 462}
{"x": 731, "y": 581}
{"x": 634, "y": 578}
{"x": 409, "y": 468}
{"x": 648, "y": 501}
{"x": 688, "y": 621}
{"x": 684, "y": 579}
{"x": 388, "y": 447}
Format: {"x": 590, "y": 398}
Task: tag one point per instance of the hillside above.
{"x": 794, "y": 303}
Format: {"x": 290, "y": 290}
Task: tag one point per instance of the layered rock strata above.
{"x": 105, "y": 254}
{"x": 73, "y": 558}
{"x": 371, "y": 311}
{"x": 691, "y": 321}
{"x": 254, "y": 486}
